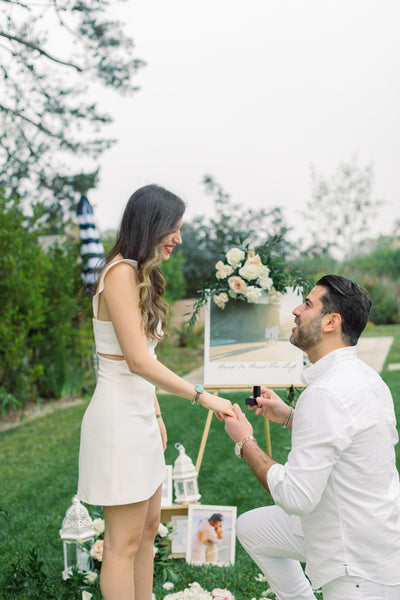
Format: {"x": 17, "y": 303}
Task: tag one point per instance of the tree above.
{"x": 206, "y": 239}
{"x": 341, "y": 209}
{"x": 47, "y": 110}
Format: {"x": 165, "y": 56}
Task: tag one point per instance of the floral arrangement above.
{"x": 249, "y": 275}
{"x": 245, "y": 278}
{"x": 196, "y": 592}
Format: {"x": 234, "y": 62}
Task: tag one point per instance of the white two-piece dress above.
{"x": 121, "y": 458}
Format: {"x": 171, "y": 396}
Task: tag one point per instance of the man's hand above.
{"x": 271, "y": 406}
{"x": 237, "y": 428}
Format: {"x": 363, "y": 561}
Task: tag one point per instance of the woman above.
{"x": 121, "y": 462}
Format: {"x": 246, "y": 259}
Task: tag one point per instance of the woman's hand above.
{"x": 220, "y": 406}
{"x": 163, "y": 431}
{"x": 271, "y": 406}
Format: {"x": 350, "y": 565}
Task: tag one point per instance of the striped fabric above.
{"x": 92, "y": 250}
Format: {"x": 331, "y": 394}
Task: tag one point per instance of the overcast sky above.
{"x": 254, "y": 92}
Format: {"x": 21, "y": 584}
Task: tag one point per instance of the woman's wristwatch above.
{"x": 197, "y": 391}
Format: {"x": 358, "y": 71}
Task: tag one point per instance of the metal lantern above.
{"x": 77, "y": 528}
{"x": 185, "y": 478}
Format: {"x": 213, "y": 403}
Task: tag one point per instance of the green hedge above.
{"x": 45, "y": 340}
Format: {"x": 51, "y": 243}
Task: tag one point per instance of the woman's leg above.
{"x": 126, "y": 526}
{"x": 144, "y": 560}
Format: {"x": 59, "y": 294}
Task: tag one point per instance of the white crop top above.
{"x": 105, "y": 337}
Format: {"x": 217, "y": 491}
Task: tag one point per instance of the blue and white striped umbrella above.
{"x": 92, "y": 250}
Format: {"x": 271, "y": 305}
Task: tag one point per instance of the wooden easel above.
{"x": 207, "y": 426}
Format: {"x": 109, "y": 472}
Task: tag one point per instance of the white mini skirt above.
{"x": 121, "y": 459}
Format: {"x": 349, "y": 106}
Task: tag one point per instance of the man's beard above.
{"x": 307, "y": 336}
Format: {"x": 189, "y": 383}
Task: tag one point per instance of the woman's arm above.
{"x": 121, "y": 298}
{"x": 161, "y": 424}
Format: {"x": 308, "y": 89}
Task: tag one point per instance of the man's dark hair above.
{"x": 350, "y": 301}
{"x": 215, "y": 517}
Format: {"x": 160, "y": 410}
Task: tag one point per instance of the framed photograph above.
{"x": 211, "y": 535}
{"x": 248, "y": 343}
{"x": 178, "y": 542}
{"x": 166, "y": 491}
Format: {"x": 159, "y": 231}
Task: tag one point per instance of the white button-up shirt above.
{"x": 340, "y": 475}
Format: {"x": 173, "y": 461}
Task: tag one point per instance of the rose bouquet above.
{"x": 248, "y": 275}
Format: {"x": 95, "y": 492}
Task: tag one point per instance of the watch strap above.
{"x": 243, "y": 441}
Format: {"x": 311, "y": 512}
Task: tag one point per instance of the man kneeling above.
{"x": 337, "y": 498}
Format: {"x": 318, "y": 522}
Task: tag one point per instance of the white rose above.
{"x": 221, "y": 299}
{"x": 168, "y": 585}
{"x": 264, "y": 271}
{"x": 253, "y": 294}
{"x": 90, "y": 576}
{"x": 265, "y": 282}
{"x": 250, "y": 271}
{"x": 162, "y": 530}
{"x": 235, "y": 256}
{"x": 224, "y": 271}
{"x": 96, "y": 550}
{"x": 99, "y": 526}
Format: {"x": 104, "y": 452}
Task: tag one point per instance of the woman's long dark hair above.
{"x": 151, "y": 213}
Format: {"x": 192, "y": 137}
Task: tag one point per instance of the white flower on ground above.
{"x": 260, "y": 577}
{"x": 86, "y": 595}
{"x": 96, "y": 550}
{"x": 235, "y": 256}
{"x": 193, "y": 592}
{"x": 162, "y": 530}
{"x": 224, "y": 594}
{"x": 168, "y": 585}
{"x": 253, "y": 294}
{"x": 99, "y": 526}
{"x": 237, "y": 284}
{"x": 90, "y": 576}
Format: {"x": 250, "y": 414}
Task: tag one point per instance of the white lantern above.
{"x": 77, "y": 528}
{"x": 185, "y": 478}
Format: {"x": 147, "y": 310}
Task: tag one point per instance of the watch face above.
{"x": 199, "y": 388}
{"x": 237, "y": 450}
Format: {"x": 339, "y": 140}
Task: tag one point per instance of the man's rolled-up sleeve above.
{"x": 322, "y": 429}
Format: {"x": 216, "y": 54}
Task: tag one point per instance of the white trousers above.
{"x": 266, "y": 534}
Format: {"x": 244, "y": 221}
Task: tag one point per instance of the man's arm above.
{"x": 258, "y": 461}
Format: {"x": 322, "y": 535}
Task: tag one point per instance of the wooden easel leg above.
{"x": 267, "y": 436}
{"x": 204, "y": 440}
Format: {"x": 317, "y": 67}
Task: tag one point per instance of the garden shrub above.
{"x": 385, "y": 306}
{"x": 43, "y": 340}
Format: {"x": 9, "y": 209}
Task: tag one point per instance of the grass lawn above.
{"x": 38, "y": 474}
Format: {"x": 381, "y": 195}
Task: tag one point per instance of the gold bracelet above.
{"x": 158, "y": 415}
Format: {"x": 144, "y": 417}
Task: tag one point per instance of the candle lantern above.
{"x": 77, "y": 528}
{"x": 185, "y": 478}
